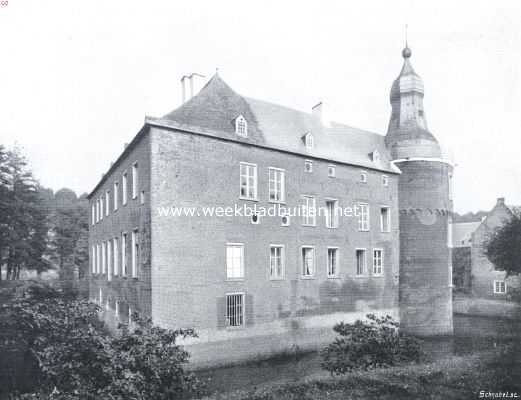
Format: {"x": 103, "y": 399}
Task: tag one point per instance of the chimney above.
{"x": 191, "y": 85}
{"x": 321, "y": 111}
{"x": 500, "y": 201}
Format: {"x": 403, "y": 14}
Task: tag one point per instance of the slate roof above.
{"x": 462, "y": 233}
{"x": 215, "y": 107}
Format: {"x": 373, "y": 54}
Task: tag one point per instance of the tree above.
{"x": 503, "y": 246}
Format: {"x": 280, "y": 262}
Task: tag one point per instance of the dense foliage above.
{"x": 503, "y": 247}
{"x": 365, "y": 345}
{"x": 39, "y": 230}
{"x": 77, "y": 358}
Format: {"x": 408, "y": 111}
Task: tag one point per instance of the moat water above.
{"x": 471, "y": 334}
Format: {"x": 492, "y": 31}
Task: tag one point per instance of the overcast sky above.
{"x": 78, "y": 77}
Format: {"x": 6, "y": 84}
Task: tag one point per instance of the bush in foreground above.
{"x": 369, "y": 344}
{"x": 78, "y": 359}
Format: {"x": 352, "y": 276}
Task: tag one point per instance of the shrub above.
{"x": 369, "y": 344}
{"x": 78, "y": 359}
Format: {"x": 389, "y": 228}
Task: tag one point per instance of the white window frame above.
{"x": 109, "y": 260}
{"x": 124, "y": 188}
{"x": 309, "y": 219}
{"x": 116, "y": 255}
{"x": 103, "y": 257}
{"x": 116, "y": 189}
{"x": 364, "y": 224}
{"x": 107, "y": 202}
{"x": 98, "y": 258}
{"x": 383, "y": 207}
{"x": 135, "y": 180}
{"x": 310, "y": 164}
{"x": 378, "y": 269}
{"x": 124, "y": 244}
{"x": 134, "y": 252}
{"x": 241, "y": 126}
{"x": 499, "y": 281}
{"x": 363, "y": 176}
{"x": 276, "y": 185}
{"x": 331, "y": 171}
{"x": 332, "y": 220}
{"x": 229, "y": 269}
{"x": 282, "y": 258}
{"x": 227, "y": 316}
{"x": 302, "y": 262}
{"x": 364, "y": 266}
{"x": 248, "y": 176}
{"x": 385, "y": 180}
{"x": 309, "y": 141}
{"x": 328, "y": 264}
{"x": 93, "y": 259}
{"x": 93, "y": 212}
{"x": 101, "y": 207}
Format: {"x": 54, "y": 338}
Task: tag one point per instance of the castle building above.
{"x": 255, "y": 284}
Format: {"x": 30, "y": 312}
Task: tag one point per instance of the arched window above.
{"x": 241, "y": 126}
{"x": 309, "y": 140}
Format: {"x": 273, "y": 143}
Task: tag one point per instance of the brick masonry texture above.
{"x": 425, "y": 259}
{"x": 128, "y": 291}
{"x": 188, "y": 254}
{"x": 483, "y": 272}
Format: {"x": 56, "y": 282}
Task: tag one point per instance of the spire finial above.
{"x": 406, "y": 52}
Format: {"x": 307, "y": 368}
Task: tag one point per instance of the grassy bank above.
{"x": 449, "y": 378}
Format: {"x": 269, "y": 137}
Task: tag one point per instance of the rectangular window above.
{"x": 93, "y": 259}
{"x": 101, "y": 208}
{"x": 500, "y": 287}
{"x": 116, "y": 261}
{"x": 234, "y": 261}
{"x": 332, "y": 262}
{"x": 378, "y": 262}
{"x": 276, "y": 262}
{"x": 308, "y": 166}
{"x": 248, "y": 181}
{"x": 116, "y": 190}
{"x": 93, "y": 214}
{"x": 109, "y": 260}
{"x": 385, "y": 219}
{"x": 107, "y": 203}
{"x": 331, "y": 171}
{"x": 135, "y": 180}
{"x": 124, "y": 263}
{"x": 98, "y": 259}
{"x": 308, "y": 261}
{"x": 103, "y": 257}
{"x": 363, "y": 176}
{"x": 331, "y": 214}
{"x": 363, "y": 217}
{"x": 360, "y": 261}
{"x": 309, "y": 217}
{"x": 385, "y": 180}
{"x": 235, "y": 309}
{"x": 276, "y": 185}
{"x": 135, "y": 252}
{"x": 124, "y": 188}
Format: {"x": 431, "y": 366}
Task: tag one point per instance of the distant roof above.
{"x": 216, "y": 107}
{"x": 462, "y": 233}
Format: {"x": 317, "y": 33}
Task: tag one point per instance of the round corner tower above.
{"x": 425, "y": 210}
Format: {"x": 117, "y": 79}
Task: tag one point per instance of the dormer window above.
{"x": 375, "y": 156}
{"x": 241, "y": 126}
{"x": 309, "y": 141}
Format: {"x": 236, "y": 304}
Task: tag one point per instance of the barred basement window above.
{"x": 235, "y": 309}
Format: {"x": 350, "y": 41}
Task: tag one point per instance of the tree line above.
{"x": 39, "y": 230}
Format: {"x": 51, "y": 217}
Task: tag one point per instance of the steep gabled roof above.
{"x": 217, "y": 105}
{"x": 462, "y": 233}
